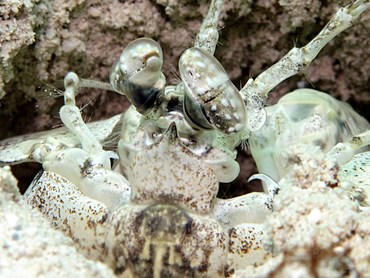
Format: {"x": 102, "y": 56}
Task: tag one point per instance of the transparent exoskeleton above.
{"x": 304, "y": 116}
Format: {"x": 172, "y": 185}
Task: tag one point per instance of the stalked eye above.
{"x": 211, "y": 99}
{"x": 137, "y": 74}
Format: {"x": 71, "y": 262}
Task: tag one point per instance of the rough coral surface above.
{"x": 315, "y": 230}
{"x": 322, "y": 231}
{"x": 16, "y": 29}
{"x": 29, "y": 247}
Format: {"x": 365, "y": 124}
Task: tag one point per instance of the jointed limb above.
{"x": 72, "y": 119}
{"x": 256, "y": 91}
{"x": 249, "y": 208}
{"x": 89, "y": 83}
{"x": 87, "y": 167}
{"x": 207, "y": 37}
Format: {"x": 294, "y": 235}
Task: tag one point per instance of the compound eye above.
{"x": 211, "y": 99}
{"x": 138, "y": 73}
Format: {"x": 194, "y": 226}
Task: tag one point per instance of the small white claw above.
{"x": 270, "y": 186}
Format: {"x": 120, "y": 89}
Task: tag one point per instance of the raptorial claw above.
{"x": 270, "y": 186}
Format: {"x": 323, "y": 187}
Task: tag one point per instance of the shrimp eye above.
{"x": 138, "y": 74}
{"x": 211, "y": 99}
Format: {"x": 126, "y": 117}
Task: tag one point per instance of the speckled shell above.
{"x": 165, "y": 241}
{"x": 167, "y": 172}
{"x": 246, "y": 246}
{"x": 70, "y": 211}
